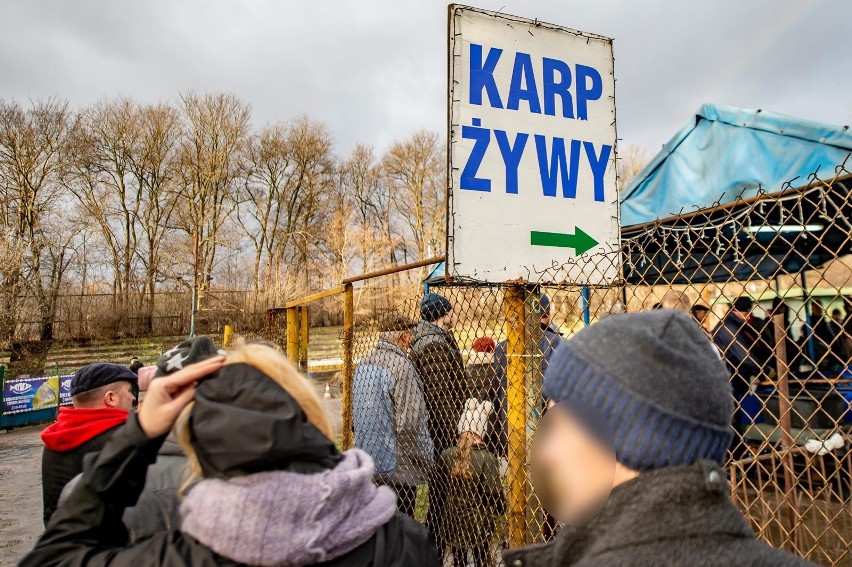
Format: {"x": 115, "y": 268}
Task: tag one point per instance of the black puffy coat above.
{"x": 438, "y": 361}
{"x": 158, "y": 508}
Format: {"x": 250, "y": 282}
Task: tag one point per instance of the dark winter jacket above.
{"x": 77, "y": 431}
{"x": 670, "y": 517}
{"x": 439, "y": 363}
{"x": 497, "y": 439}
{"x": 230, "y": 426}
{"x": 767, "y": 338}
{"x": 473, "y": 504}
{"x": 481, "y": 374}
{"x": 736, "y": 340}
{"x": 828, "y": 344}
{"x": 158, "y": 508}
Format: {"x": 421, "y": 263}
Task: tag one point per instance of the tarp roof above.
{"x": 438, "y": 275}
{"x": 780, "y": 233}
{"x": 724, "y": 153}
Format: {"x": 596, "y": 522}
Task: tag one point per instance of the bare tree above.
{"x": 11, "y": 253}
{"x": 414, "y": 171}
{"x": 215, "y": 134}
{"x": 361, "y": 182}
{"x": 129, "y": 199}
{"x": 33, "y": 155}
{"x": 631, "y": 160}
{"x": 268, "y": 174}
{"x": 106, "y": 187}
{"x": 306, "y": 195}
{"x": 154, "y": 165}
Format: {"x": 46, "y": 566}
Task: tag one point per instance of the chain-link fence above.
{"x": 768, "y": 278}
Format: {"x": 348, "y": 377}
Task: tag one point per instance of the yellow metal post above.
{"x": 348, "y": 343}
{"x": 516, "y": 397}
{"x": 227, "y": 336}
{"x": 293, "y": 334}
{"x": 303, "y": 347}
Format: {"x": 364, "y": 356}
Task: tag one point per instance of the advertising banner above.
{"x": 30, "y": 394}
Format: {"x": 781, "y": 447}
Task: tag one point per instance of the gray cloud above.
{"x": 375, "y": 70}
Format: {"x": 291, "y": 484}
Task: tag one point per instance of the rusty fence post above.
{"x": 516, "y": 397}
{"x": 305, "y": 338}
{"x": 348, "y": 355}
{"x": 785, "y": 408}
{"x": 293, "y": 334}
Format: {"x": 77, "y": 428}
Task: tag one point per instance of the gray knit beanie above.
{"x": 658, "y": 381}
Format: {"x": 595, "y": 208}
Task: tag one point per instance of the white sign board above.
{"x": 532, "y": 150}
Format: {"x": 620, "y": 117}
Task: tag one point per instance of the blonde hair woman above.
{"x": 268, "y": 486}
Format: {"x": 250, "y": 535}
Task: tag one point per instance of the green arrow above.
{"x": 579, "y": 241}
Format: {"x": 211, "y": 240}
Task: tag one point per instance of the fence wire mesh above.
{"x": 768, "y": 278}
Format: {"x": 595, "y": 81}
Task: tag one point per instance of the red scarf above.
{"x": 75, "y": 426}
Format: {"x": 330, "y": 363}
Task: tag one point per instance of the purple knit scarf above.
{"x": 281, "y": 518}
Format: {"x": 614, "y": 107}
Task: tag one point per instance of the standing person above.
{"x": 699, "y": 312}
{"x": 480, "y": 368}
{"x": 497, "y": 440}
{"x": 438, "y": 361}
{"x": 736, "y": 340}
{"x": 269, "y": 485}
{"x": 847, "y": 323}
{"x": 830, "y": 352}
{"x": 641, "y": 407}
{"x": 676, "y": 300}
{"x": 390, "y": 414}
{"x": 158, "y": 507}
{"x": 474, "y": 490}
{"x": 101, "y": 397}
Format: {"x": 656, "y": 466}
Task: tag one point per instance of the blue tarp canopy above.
{"x": 691, "y": 191}
{"x": 724, "y": 153}
{"x": 437, "y": 276}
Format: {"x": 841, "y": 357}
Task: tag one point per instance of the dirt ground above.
{"x": 20, "y": 493}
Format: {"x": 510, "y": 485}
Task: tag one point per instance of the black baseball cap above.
{"x": 100, "y": 374}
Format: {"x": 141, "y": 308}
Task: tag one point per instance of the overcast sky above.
{"x": 375, "y": 70}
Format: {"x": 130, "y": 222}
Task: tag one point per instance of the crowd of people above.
{"x": 229, "y": 458}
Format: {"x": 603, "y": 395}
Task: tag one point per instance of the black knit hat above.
{"x": 101, "y": 374}
{"x": 434, "y": 306}
{"x": 187, "y": 352}
{"x": 743, "y": 303}
{"x": 658, "y": 381}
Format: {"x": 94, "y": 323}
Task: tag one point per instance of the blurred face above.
{"x": 404, "y": 341}
{"x": 446, "y": 322}
{"x": 700, "y": 315}
{"x": 120, "y": 397}
{"x": 573, "y": 471}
